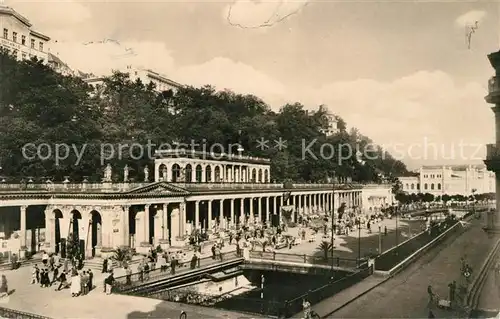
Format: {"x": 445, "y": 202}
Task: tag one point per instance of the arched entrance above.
{"x": 75, "y": 246}
{"x": 95, "y": 231}
{"x": 57, "y": 215}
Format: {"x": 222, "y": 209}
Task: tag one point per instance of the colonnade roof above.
{"x": 236, "y": 158}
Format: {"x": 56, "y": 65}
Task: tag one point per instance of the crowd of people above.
{"x": 63, "y": 273}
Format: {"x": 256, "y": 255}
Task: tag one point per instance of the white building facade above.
{"x": 450, "y": 180}
{"x": 147, "y": 76}
{"x": 19, "y": 37}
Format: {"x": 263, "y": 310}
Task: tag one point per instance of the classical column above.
{"x": 196, "y": 214}
{"x": 268, "y": 207}
{"x": 64, "y": 224}
{"x": 50, "y": 233}
{"x": 242, "y": 211}
{"x": 22, "y": 210}
{"x": 146, "y": 224}
{"x": 281, "y": 205}
{"x": 251, "y": 209}
{"x": 233, "y": 222}
{"x": 222, "y": 220}
{"x": 299, "y": 203}
{"x": 83, "y": 227}
{"x": 275, "y": 210}
{"x": 210, "y": 222}
{"x": 165, "y": 230}
{"x": 183, "y": 217}
{"x": 259, "y": 209}
{"x": 125, "y": 226}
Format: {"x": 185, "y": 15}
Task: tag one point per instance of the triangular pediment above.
{"x": 159, "y": 188}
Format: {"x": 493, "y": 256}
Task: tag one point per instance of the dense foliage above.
{"x": 407, "y": 198}
{"x": 38, "y": 105}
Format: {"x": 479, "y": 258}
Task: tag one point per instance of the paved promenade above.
{"x": 405, "y": 295}
{"x": 96, "y": 305}
{"x": 346, "y": 246}
{"x": 489, "y": 298}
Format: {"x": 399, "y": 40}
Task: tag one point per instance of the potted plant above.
{"x": 122, "y": 255}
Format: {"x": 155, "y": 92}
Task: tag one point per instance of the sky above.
{"x": 399, "y": 71}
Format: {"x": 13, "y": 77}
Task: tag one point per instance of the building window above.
{"x": 32, "y": 43}
{"x": 432, "y": 186}
{"x": 425, "y": 186}
{"x": 439, "y": 186}
{"x": 23, "y": 40}
{"x": 412, "y": 186}
{"x": 24, "y": 55}
{"x": 14, "y": 36}
{"x": 41, "y": 46}
{"x": 418, "y": 186}
{"x": 5, "y": 33}
{"x": 406, "y": 186}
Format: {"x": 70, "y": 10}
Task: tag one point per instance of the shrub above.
{"x": 122, "y": 255}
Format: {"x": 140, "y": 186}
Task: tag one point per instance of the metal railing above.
{"x": 183, "y": 152}
{"x": 123, "y": 283}
{"x": 314, "y": 296}
{"x": 397, "y": 254}
{"x": 350, "y": 263}
{"x": 267, "y": 307}
{"x": 11, "y": 313}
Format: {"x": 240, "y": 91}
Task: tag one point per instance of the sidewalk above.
{"x": 332, "y": 304}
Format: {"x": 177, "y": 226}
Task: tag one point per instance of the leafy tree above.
{"x": 427, "y": 197}
{"x": 38, "y": 105}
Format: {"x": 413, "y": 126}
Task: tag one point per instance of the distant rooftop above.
{"x": 6, "y": 10}
{"x": 189, "y": 153}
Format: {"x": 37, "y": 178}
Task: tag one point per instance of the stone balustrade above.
{"x": 120, "y": 187}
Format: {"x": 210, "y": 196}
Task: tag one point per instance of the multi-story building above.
{"x": 146, "y": 76}
{"x": 59, "y": 66}
{"x": 19, "y": 37}
{"x": 332, "y": 125}
{"x": 450, "y": 180}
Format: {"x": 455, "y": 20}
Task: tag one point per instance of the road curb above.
{"x": 353, "y": 299}
{"x": 474, "y": 293}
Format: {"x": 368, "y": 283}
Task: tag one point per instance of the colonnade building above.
{"x": 191, "y": 191}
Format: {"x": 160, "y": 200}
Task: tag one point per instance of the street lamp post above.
{"x": 397, "y": 229}
{"x": 333, "y": 216}
{"x": 379, "y": 238}
{"x": 359, "y": 240}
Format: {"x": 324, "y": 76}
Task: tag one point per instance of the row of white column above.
{"x": 227, "y": 173}
{"x": 323, "y": 201}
